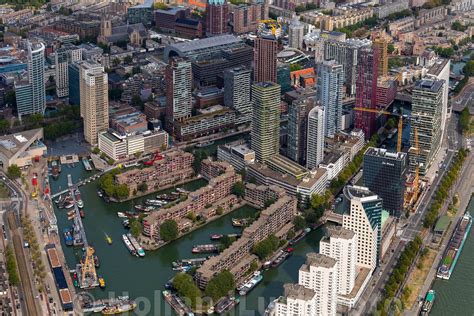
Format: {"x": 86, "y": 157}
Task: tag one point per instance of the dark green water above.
{"x": 144, "y": 278}
{"x": 456, "y": 295}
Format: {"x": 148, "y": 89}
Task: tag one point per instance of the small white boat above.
{"x": 121, "y": 215}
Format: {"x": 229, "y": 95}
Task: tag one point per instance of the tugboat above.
{"x": 68, "y": 236}
{"x": 55, "y": 169}
{"x": 121, "y": 307}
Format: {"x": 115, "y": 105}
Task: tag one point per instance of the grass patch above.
{"x": 418, "y": 276}
{"x": 4, "y": 192}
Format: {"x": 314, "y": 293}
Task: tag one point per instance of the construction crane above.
{"x": 400, "y": 123}
{"x": 417, "y": 168}
{"x": 273, "y": 24}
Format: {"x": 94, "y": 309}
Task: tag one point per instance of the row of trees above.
{"x": 38, "y": 265}
{"x": 107, "y": 183}
{"x": 220, "y": 285}
{"x": 350, "y": 29}
{"x": 399, "y": 273}
{"x": 465, "y": 120}
{"x": 444, "y": 187}
{"x": 266, "y": 247}
{"x": 11, "y": 267}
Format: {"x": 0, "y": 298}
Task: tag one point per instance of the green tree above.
{"x": 12, "y": 267}
{"x": 116, "y": 62}
{"x": 122, "y": 191}
{"x": 142, "y": 187}
{"x": 465, "y": 120}
{"x": 96, "y": 150}
{"x": 299, "y": 222}
{"x": 220, "y": 285}
{"x": 186, "y": 288}
{"x": 4, "y": 125}
{"x": 239, "y": 189}
{"x": 169, "y": 230}
{"x": 13, "y": 172}
{"x": 128, "y": 59}
{"x": 295, "y": 67}
{"x": 457, "y": 26}
{"x": 137, "y": 101}
{"x": 468, "y": 69}
{"x": 135, "y": 228}
{"x": 266, "y": 247}
{"x": 136, "y": 70}
{"x": 219, "y": 210}
{"x": 191, "y": 216}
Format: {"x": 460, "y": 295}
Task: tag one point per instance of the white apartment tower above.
{"x": 319, "y": 274}
{"x": 94, "y": 100}
{"x": 364, "y": 218}
{"x": 63, "y": 57}
{"x": 297, "y": 301}
{"x": 315, "y": 137}
{"x": 296, "y": 33}
{"x": 341, "y": 244}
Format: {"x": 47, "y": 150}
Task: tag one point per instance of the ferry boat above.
{"x": 101, "y": 282}
{"x": 226, "y": 304}
{"x": 216, "y": 236}
{"x": 108, "y": 239}
{"x": 248, "y": 286}
{"x": 204, "y": 144}
{"x": 453, "y": 251}
{"x": 68, "y": 239}
{"x": 136, "y": 245}
{"x": 428, "y": 303}
{"x": 209, "y": 248}
{"x": 129, "y": 245}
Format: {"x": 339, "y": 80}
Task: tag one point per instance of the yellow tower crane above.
{"x": 400, "y": 123}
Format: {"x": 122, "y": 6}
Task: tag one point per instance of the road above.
{"x": 29, "y": 302}
{"x": 464, "y": 98}
{"x": 373, "y": 293}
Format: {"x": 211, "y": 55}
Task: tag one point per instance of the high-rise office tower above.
{"x": 297, "y": 301}
{"x": 237, "y": 92}
{"x": 295, "y": 33}
{"x": 265, "y": 120}
{"x": 385, "y": 175}
{"x": 31, "y": 93}
{"x": 297, "y": 127}
{"x": 64, "y": 56}
{"x": 382, "y": 44}
{"x": 346, "y": 54}
{"x": 330, "y": 93}
{"x": 94, "y": 100}
{"x": 217, "y": 17}
{"x": 426, "y": 110}
{"x": 74, "y": 92}
{"x": 364, "y": 217}
{"x": 265, "y": 61}
{"x": 341, "y": 244}
{"x": 315, "y": 139}
{"x": 178, "y": 90}
{"x": 319, "y": 274}
{"x": 366, "y": 92}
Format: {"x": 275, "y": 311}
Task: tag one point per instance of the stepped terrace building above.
{"x": 216, "y": 193}
{"x": 237, "y": 258}
{"x": 175, "y": 166}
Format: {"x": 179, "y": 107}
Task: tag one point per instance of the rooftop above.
{"x": 431, "y": 85}
{"x": 438, "y": 66}
{"x": 206, "y": 43}
{"x": 341, "y": 232}
{"x": 11, "y": 144}
{"x": 380, "y": 152}
{"x": 297, "y": 291}
{"x": 318, "y": 260}
{"x": 442, "y": 224}
{"x": 358, "y": 192}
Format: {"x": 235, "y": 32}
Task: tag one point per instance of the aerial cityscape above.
{"x": 236, "y": 157}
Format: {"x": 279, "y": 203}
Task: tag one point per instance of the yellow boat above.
{"x": 122, "y": 308}
{"x": 108, "y": 239}
{"x": 101, "y": 282}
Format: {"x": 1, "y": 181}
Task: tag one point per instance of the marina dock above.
{"x": 86, "y": 163}
{"x": 69, "y": 159}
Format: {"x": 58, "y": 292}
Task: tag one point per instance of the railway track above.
{"x": 26, "y": 284}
